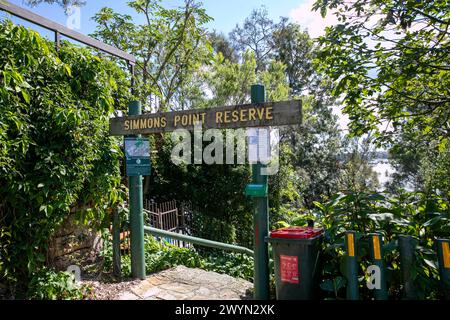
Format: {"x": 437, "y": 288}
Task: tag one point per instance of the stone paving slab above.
{"x": 182, "y": 283}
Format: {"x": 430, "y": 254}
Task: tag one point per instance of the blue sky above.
{"x": 225, "y": 13}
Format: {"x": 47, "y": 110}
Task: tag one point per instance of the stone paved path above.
{"x": 183, "y": 283}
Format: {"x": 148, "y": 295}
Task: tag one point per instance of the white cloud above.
{"x": 312, "y": 20}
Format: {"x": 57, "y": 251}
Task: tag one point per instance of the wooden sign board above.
{"x": 231, "y": 117}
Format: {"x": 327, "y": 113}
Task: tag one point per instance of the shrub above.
{"x": 48, "y": 284}
{"x": 55, "y": 151}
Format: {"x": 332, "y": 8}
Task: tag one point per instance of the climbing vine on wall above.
{"x": 55, "y": 152}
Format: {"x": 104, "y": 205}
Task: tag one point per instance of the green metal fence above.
{"x": 406, "y": 248}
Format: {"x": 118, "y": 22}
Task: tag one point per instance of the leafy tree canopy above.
{"x": 169, "y": 46}
{"x": 256, "y": 35}
{"x": 390, "y": 60}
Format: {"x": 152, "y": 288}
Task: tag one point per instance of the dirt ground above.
{"x": 106, "y": 288}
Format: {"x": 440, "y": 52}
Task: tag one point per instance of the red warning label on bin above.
{"x": 289, "y": 269}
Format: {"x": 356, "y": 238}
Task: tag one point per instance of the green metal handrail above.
{"x": 195, "y": 240}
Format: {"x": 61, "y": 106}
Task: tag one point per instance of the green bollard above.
{"x": 261, "y": 220}
{"x": 407, "y": 247}
{"x": 443, "y": 249}
{"x": 136, "y": 213}
{"x": 376, "y": 251}
{"x": 351, "y": 266}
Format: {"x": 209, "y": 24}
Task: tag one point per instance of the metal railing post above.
{"x": 57, "y": 41}
{"x": 351, "y": 266}
{"x": 377, "y": 255}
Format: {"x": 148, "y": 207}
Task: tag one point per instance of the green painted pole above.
{"x": 351, "y": 266}
{"x": 407, "y": 247}
{"x": 443, "y": 249}
{"x": 376, "y": 252}
{"x": 136, "y": 213}
{"x": 261, "y": 220}
{"x": 116, "y": 243}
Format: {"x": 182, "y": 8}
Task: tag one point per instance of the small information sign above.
{"x": 137, "y": 152}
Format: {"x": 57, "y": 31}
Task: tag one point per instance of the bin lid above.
{"x": 296, "y": 233}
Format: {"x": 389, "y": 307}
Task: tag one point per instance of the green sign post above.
{"x": 136, "y": 199}
{"x": 260, "y": 217}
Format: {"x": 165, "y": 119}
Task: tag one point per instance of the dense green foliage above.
{"x": 425, "y": 217}
{"x": 420, "y": 165}
{"x": 55, "y": 155}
